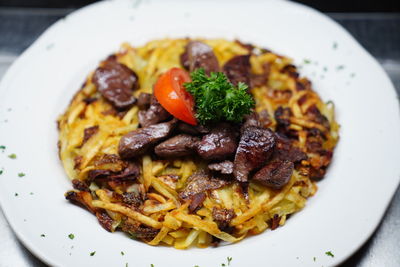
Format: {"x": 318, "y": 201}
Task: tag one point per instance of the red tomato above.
{"x": 172, "y": 95}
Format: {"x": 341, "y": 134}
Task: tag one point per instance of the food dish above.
{"x": 216, "y": 176}
{"x": 346, "y": 192}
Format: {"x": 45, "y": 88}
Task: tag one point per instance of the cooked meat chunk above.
{"x": 224, "y": 167}
{"x": 177, "y": 146}
{"x": 80, "y": 185}
{"x": 219, "y": 144}
{"x": 237, "y": 69}
{"x": 196, "y": 202}
{"x": 130, "y": 172}
{"x": 89, "y": 132}
{"x": 82, "y": 199}
{"x": 223, "y": 216}
{"x": 137, "y": 142}
{"x": 144, "y": 100}
{"x": 284, "y": 150}
{"x": 116, "y": 82}
{"x": 275, "y": 222}
{"x": 255, "y": 147}
{"x": 275, "y": 174}
{"x": 199, "y": 55}
{"x": 200, "y": 182}
{"x": 193, "y": 129}
{"x": 132, "y": 198}
{"x": 291, "y": 70}
{"x": 315, "y": 115}
{"x": 138, "y": 230}
{"x": 251, "y": 120}
{"x": 105, "y": 220}
{"x": 154, "y": 114}
{"x": 282, "y": 116}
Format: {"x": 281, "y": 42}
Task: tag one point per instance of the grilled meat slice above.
{"x": 154, "y": 114}
{"x": 224, "y": 167}
{"x": 276, "y": 174}
{"x": 199, "y": 55}
{"x": 137, "y": 142}
{"x": 255, "y": 147}
{"x": 219, "y": 144}
{"x": 116, "y": 83}
{"x": 177, "y": 146}
{"x": 237, "y": 69}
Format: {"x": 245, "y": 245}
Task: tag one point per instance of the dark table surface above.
{"x": 378, "y": 33}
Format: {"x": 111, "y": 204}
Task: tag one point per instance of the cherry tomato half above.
{"x": 172, "y": 95}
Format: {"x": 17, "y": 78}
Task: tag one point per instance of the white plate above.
{"x": 345, "y": 211}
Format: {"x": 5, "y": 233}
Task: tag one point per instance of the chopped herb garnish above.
{"x": 16, "y": 194}
{"x": 21, "y": 174}
{"x": 43, "y": 235}
{"x": 1, "y": 172}
{"x": 126, "y": 264}
{"x": 340, "y": 67}
{"x": 92, "y": 253}
{"x": 31, "y": 193}
{"x": 229, "y": 260}
{"x": 2, "y": 147}
{"x": 352, "y": 75}
{"x": 335, "y": 45}
{"x": 314, "y": 259}
{"x": 71, "y": 236}
{"x": 122, "y": 253}
{"x": 223, "y": 264}
{"x": 12, "y": 156}
{"x": 306, "y": 61}
{"x": 217, "y": 99}
{"x": 152, "y": 265}
{"x": 330, "y": 254}
{"x": 325, "y": 69}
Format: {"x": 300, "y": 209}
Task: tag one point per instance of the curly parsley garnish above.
{"x": 71, "y": 236}
{"x": 217, "y": 99}
{"x": 92, "y": 253}
{"x": 21, "y": 174}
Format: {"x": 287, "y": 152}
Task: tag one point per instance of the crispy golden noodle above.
{"x": 163, "y": 218}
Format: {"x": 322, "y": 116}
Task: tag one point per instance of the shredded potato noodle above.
{"x": 162, "y": 217}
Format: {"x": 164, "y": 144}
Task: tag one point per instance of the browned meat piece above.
{"x": 275, "y": 222}
{"x": 105, "y": 220}
{"x": 193, "y": 130}
{"x": 315, "y": 115}
{"x": 89, "y": 132}
{"x": 282, "y": 116}
{"x": 177, "y": 146}
{"x": 129, "y": 173}
{"x": 291, "y": 70}
{"x": 144, "y": 101}
{"x": 251, "y": 120}
{"x": 116, "y": 82}
{"x": 137, "y": 142}
{"x": 139, "y": 231}
{"x": 224, "y": 167}
{"x": 237, "y": 69}
{"x": 223, "y": 216}
{"x": 200, "y": 182}
{"x": 255, "y": 147}
{"x": 154, "y": 114}
{"x": 80, "y": 185}
{"x": 219, "y": 144}
{"x": 284, "y": 150}
{"x": 82, "y": 199}
{"x": 275, "y": 174}
{"x": 199, "y": 55}
{"x": 196, "y": 202}
{"x": 132, "y": 198}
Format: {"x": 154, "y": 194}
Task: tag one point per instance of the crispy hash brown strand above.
{"x": 178, "y": 202}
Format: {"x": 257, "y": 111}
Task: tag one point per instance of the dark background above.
{"x": 322, "y": 5}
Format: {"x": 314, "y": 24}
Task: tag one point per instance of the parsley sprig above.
{"x": 217, "y": 99}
